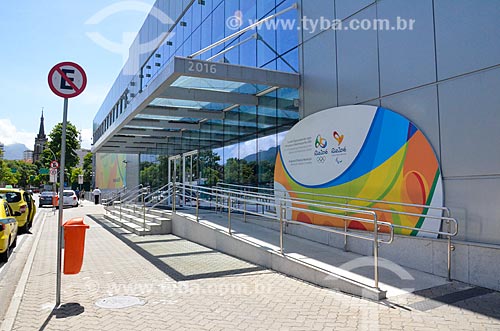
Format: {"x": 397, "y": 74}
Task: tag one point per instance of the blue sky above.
{"x": 36, "y": 35}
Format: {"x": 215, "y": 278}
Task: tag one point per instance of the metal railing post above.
{"x": 375, "y": 250}
{"x": 174, "y": 197}
{"x": 120, "y": 209}
{"x": 143, "y": 211}
{"x": 245, "y": 210}
{"x": 345, "y": 229}
{"x": 197, "y": 206}
{"x": 281, "y": 228}
{"x": 345, "y": 236}
{"x": 229, "y": 214}
{"x": 216, "y": 200}
{"x": 449, "y": 251}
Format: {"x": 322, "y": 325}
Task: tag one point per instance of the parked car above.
{"x": 45, "y": 198}
{"x": 8, "y": 230}
{"x": 70, "y": 198}
{"x": 21, "y": 202}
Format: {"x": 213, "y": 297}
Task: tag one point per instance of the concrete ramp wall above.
{"x": 215, "y": 237}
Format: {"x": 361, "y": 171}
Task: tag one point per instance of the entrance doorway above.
{"x": 183, "y": 167}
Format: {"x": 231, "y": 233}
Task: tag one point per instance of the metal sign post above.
{"x": 67, "y": 80}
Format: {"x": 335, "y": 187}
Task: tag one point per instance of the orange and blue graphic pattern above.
{"x": 395, "y": 163}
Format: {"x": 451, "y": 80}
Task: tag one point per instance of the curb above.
{"x": 10, "y": 316}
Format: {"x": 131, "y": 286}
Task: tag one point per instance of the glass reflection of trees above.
{"x": 235, "y": 171}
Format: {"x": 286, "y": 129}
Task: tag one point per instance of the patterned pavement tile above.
{"x": 186, "y": 286}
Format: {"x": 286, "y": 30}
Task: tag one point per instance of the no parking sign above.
{"x": 67, "y": 79}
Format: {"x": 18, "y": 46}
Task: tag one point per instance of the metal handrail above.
{"x": 357, "y": 209}
{"x": 232, "y": 199}
{"x": 134, "y": 195}
{"x": 282, "y": 220}
{"x": 448, "y": 219}
{"x": 119, "y": 194}
{"x": 167, "y": 196}
{"x": 329, "y": 205}
{"x": 162, "y": 188}
{"x": 403, "y": 204}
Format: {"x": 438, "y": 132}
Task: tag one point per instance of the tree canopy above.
{"x": 72, "y": 145}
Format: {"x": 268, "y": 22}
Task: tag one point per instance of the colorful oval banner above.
{"x": 362, "y": 152}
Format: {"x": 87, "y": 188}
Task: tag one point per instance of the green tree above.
{"x": 23, "y": 176}
{"x": 6, "y": 176}
{"x": 72, "y": 144}
{"x": 239, "y": 172}
{"x": 87, "y": 168}
{"x": 266, "y": 173}
{"x": 150, "y": 175}
{"x": 231, "y": 171}
{"x": 75, "y": 172}
{"x": 211, "y": 170}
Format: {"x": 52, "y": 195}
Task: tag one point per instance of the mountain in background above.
{"x": 14, "y": 152}
{"x": 269, "y": 155}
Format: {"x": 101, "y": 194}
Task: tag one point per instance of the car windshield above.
{"x": 48, "y": 193}
{"x": 68, "y": 194}
{"x": 11, "y": 196}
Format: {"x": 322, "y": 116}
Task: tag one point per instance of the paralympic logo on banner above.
{"x": 379, "y": 155}
{"x": 338, "y": 137}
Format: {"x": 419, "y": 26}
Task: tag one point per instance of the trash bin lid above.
{"x": 77, "y": 221}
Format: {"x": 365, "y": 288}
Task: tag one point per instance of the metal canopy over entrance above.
{"x": 193, "y": 104}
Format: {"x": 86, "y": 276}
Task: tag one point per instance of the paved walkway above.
{"x": 181, "y": 285}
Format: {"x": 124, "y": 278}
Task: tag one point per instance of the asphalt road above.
{"x": 11, "y": 271}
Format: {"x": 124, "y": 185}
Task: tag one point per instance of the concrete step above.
{"x": 129, "y": 226}
{"x": 153, "y": 224}
{"x": 153, "y": 215}
{"x": 139, "y": 214}
{"x": 135, "y": 219}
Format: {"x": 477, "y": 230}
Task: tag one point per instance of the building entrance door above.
{"x": 187, "y": 172}
{"x": 174, "y": 171}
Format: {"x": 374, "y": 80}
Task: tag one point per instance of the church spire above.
{"x": 41, "y": 131}
{"x": 40, "y": 141}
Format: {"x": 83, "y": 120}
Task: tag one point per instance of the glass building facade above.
{"x": 239, "y": 147}
{"x": 442, "y": 75}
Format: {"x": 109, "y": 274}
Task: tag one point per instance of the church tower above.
{"x": 40, "y": 141}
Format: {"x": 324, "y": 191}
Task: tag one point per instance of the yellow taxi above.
{"x": 8, "y": 230}
{"x": 22, "y": 202}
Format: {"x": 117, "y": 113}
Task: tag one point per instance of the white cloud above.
{"x": 10, "y": 135}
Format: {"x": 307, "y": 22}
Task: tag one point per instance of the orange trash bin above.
{"x": 74, "y": 245}
{"x": 55, "y": 200}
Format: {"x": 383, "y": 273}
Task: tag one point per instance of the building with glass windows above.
{"x": 207, "y": 95}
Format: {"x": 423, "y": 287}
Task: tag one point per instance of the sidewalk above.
{"x": 180, "y": 285}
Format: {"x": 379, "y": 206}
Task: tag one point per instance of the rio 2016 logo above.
{"x": 320, "y": 142}
{"x": 338, "y": 137}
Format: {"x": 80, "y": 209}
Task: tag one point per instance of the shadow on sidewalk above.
{"x": 476, "y": 299}
{"x": 64, "y": 311}
{"x": 169, "y": 262}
